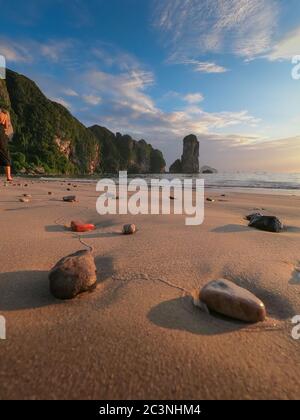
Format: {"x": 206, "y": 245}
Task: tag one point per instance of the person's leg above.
{"x": 8, "y": 173}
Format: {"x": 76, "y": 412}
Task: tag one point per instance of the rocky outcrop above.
{"x": 46, "y": 134}
{"x": 208, "y": 170}
{"x": 122, "y": 152}
{"x": 190, "y": 156}
{"x": 189, "y": 163}
{"x": 49, "y": 140}
{"x": 176, "y": 167}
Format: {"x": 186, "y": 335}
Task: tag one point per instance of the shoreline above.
{"x": 237, "y": 189}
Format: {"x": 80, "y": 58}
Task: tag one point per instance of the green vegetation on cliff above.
{"x": 49, "y": 140}
{"x": 47, "y": 136}
{"x": 121, "y": 152}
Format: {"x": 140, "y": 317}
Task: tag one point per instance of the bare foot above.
{"x": 9, "y": 180}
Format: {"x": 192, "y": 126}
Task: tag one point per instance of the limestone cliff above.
{"x": 49, "y": 140}
{"x": 189, "y": 163}
{"x": 122, "y": 152}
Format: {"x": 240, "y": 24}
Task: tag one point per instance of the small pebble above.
{"x": 129, "y": 229}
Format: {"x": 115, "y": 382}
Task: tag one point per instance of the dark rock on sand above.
{"x": 228, "y": 299}
{"x": 129, "y": 229}
{"x": 70, "y": 198}
{"x": 210, "y": 199}
{"x": 72, "y": 275}
{"x": 267, "y": 223}
{"x": 251, "y": 216}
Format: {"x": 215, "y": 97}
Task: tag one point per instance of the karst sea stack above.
{"x": 189, "y": 163}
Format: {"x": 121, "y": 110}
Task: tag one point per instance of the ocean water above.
{"x": 276, "y": 183}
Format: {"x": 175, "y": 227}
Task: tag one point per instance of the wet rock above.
{"x": 226, "y": 298}
{"x": 72, "y": 275}
{"x": 79, "y": 226}
{"x": 129, "y": 229}
{"x": 70, "y": 198}
{"x": 266, "y": 223}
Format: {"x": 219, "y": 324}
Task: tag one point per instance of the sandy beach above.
{"x": 137, "y": 336}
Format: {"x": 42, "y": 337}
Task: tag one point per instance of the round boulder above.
{"x": 72, "y": 275}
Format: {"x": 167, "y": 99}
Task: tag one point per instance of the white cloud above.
{"x": 27, "y": 50}
{"x": 206, "y": 67}
{"x": 70, "y": 92}
{"x": 192, "y": 27}
{"x": 54, "y": 50}
{"x": 194, "y": 98}
{"x": 251, "y": 153}
{"x": 92, "y": 99}
{"x": 14, "y": 52}
{"x": 288, "y": 47}
{"x": 127, "y": 107}
{"x": 62, "y": 102}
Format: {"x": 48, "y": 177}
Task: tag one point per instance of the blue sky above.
{"x": 162, "y": 69}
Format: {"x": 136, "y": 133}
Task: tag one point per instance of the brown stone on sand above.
{"x": 24, "y": 200}
{"x": 73, "y": 275}
{"x": 129, "y": 229}
{"x": 226, "y": 298}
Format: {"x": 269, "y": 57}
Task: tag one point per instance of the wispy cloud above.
{"x": 63, "y": 102}
{"x": 127, "y": 106}
{"x": 199, "y": 66}
{"x": 287, "y": 47}
{"x": 251, "y": 153}
{"x": 15, "y": 52}
{"x": 70, "y": 92}
{"x": 28, "y": 50}
{"x": 92, "y": 99}
{"x": 54, "y": 50}
{"x": 194, "y": 98}
{"x": 191, "y": 28}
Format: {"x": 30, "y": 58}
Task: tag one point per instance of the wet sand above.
{"x": 136, "y": 336}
